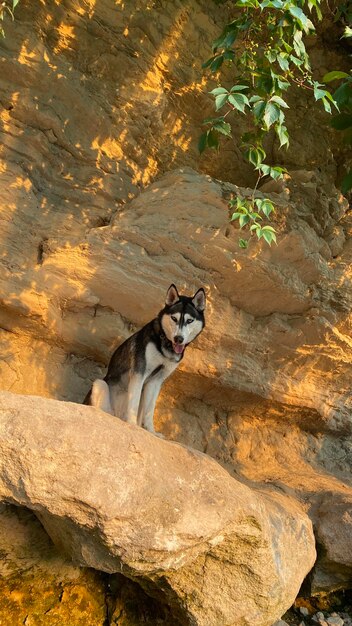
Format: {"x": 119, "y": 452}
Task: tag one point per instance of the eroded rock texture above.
{"x": 98, "y": 100}
{"x": 259, "y": 390}
{"x": 39, "y": 586}
{"x": 118, "y": 499}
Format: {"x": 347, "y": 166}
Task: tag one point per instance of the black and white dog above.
{"x": 140, "y": 365}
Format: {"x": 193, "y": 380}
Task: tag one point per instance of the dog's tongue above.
{"x": 178, "y": 348}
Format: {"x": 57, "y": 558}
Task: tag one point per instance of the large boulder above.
{"x": 118, "y": 499}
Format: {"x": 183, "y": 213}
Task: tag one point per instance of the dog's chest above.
{"x": 157, "y": 362}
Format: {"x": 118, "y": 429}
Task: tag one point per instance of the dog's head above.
{"x": 182, "y": 318}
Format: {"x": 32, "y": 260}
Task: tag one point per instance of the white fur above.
{"x": 188, "y": 331}
{"x": 134, "y": 398}
{"x": 101, "y": 396}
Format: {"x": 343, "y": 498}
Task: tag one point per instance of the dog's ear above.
{"x": 172, "y": 295}
{"x": 198, "y": 300}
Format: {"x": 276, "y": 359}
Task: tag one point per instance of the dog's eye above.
{"x": 174, "y": 319}
{"x": 189, "y": 321}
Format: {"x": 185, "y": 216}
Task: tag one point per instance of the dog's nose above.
{"x": 178, "y": 339}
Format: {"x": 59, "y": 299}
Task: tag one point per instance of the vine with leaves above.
{"x": 264, "y": 44}
{"x": 7, "y": 7}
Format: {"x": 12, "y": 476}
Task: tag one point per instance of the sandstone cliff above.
{"x": 98, "y": 101}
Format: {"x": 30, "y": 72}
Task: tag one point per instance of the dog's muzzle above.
{"x": 178, "y": 344}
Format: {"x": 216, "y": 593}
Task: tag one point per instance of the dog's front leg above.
{"x": 150, "y": 394}
{"x": 134, "y": 393}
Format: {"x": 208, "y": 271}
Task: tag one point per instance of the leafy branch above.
{"x": 264, "y": 44}
{"x": 342, "y": 121}
{"x": 6, "y": 7}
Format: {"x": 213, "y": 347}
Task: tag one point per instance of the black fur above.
{"x": 131, "y": 353}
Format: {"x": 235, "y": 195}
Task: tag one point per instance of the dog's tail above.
{"x": 99, "y": 396}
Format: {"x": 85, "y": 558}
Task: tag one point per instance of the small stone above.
{"x": 318, "y": 617}
{"x": 335, "y": 620}
{"x": 304, "y": 611}
{"x": 281, "y": 623}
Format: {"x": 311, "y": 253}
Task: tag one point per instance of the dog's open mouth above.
{"x": 178, "y": 347}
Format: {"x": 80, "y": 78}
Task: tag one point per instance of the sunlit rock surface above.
{"x": 99, "y": 100}
{"x": 118, "y": 499}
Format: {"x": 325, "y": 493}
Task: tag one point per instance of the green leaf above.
{"x": 235, "y": 216}
{"x": 255, "y": 155}
{"x": 279, "y": 101}
{"x": 297, "y": 62}
{"x": 243, "y": 220}
{"x": 282, "y": 84}
{"x": 271, "y": 56}
{"x": 343, "y": 93}
{"x": 14, "y": 3}
{"x": 271, "y": 114}
{"x": 254, "y": 4}
{"x": 243, "y": 243}
{"x": 239, "y": 101}
{"x": 334, "y": 76}
{"x": 203, "y": 142}
{"x": 208, "y": 62}
{"x": 238, "y": 88}
{"x": 213, "y": 139}
{"x": 269, "y": 237}
{"x": 265, "y": 169}
{"x": 265, "y": 83}
{"x": 229, "y": 55}
{"x": 282, "y": 60}
{"x": 266, "y": 206}
{"x": 326, "y": 105}
{"x": 217, "y": 63}
{"x": 298, "y": 44}
{"x": 346, "y": 184}
{"x": 277, "y": 172}
{"x": 301, "y": 17}
{"x": 220, "y": 100}
{"x": 223, "y": 127}
{"x": 218, "y": 91}
{"x": 347, "y": 32}
{"x": 319, "y": 94}
{"x": 268, "y": 229}
{"x": 342, "y": 121}
{"x": 259, "y": 109}
{"x": 283, "y": 135}
{"x": 275, "y": 4}
{"x": 241, "y": 204}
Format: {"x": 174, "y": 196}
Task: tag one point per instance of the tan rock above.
{"x": 97, "y": 103}
{"x": 100, "y": 488}
{"x": 278, "y": 327}
{"x": 38, "y": 586}
{"x": 334, "y": 535}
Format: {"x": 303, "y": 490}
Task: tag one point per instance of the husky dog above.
{"x": 140, "y": 365}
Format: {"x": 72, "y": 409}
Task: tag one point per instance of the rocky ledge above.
{"x": 113, "y": 497}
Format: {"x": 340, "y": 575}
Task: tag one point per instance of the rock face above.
{"x": 100, "y": 488}
{"x": 261, "y": 381}
{"x": 97, "y": 103}
{"x": 38, "y": 586}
